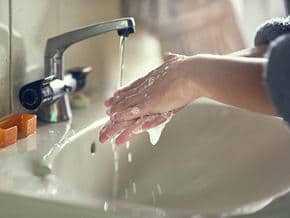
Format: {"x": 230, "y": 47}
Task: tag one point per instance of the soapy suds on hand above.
{"x": 155, "y": 133}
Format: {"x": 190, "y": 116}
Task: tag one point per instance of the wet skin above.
{"x": 149, "y": 101}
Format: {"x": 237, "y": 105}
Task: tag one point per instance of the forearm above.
{"x": 255, "y": 52}
{"x": 236, "y": 81}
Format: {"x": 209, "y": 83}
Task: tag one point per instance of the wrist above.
{"x": 196, "y": 74}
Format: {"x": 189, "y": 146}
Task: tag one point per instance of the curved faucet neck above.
{"x": 55, "y": 47}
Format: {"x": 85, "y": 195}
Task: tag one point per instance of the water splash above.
{"x": 155, "y": 133}
{"x": 127, "y": 145}
{"x": 69, "y": 135}
{"x": 115, "y": 150}
{"x": 106, "y": 206}
{"x": 159, "y": 190}
{"x": 134, "y": 189}
{"x": 153, "y": 197}
{"x": 126, "y": 194}
{"x": 130, "y": 157}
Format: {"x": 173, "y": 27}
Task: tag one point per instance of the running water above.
{"x": 122, "y": 60}
{"x": 154, "y": 133}
{"x": 115, "y": 150}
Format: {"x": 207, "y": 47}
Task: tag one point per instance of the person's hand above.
{"x": 125, "y": 130}
{"x": 166, "y": 88}
{"x": 149, "y": 101}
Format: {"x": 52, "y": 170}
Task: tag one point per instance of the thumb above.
{"x": 168, "y": 55}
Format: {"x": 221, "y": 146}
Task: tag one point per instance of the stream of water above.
{"x": 122, "y": 60}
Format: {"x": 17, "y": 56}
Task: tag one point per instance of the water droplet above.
{"x": 134, "y": 187}
{"x": 130, "y": 157}
{"x": 126, "y": 194}
{"x": 106, "y": 206}
{"x": 163, "y": 73}
{"x": 135, "y": 110}
{"x": 153, "y": 197}
{"x": 128, "y": 145}
{"x": 116, "y": 166}
{"x": 151, "y": 81}
{"x": 93, "y": 148}
{"x": 159, "y": 190}
{"x": 196, "y": 216}
{"x": 166, "y": 67}
{"x": 116, "y": 155}
{"x": 51, "y": 132}
{"x": 115, "y": 151}
{"x": 155, "y": 133}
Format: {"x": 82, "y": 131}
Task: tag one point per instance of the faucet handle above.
{"x": 80, "y": 75}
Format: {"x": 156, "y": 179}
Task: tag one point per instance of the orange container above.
{"x": 15, "y": 127}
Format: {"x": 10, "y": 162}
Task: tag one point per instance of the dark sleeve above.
{"x": 277, "y": 75}
{"x": 271, "y": 30}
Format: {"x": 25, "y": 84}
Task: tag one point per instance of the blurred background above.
{"x": 184, "y": 26}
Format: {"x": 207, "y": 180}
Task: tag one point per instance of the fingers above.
{"x": 128, "y": 133}
{"x": 140, "y": 126}
{"x": 132, "y": 113}
{"x": 131, "y": 86}
{"x": 168, "y": 55}
{"x": 126, "y": 130}
{"x": 153, "y": 121}
{"x": 109, "y": 101}
{"x": 129, "y": 101}
{"x": 111, "y": 129}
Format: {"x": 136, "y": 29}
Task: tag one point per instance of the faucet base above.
{"x": 58, "y": 111}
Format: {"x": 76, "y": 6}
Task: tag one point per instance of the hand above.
{"x": 166, "y": 88}
{"x": 127, "y": 129}
{"x": 152, "y": 99}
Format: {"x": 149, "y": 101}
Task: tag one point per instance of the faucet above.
{"x": 50, "y": 95}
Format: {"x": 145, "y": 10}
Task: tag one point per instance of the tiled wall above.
{"x": 32, "y": 22}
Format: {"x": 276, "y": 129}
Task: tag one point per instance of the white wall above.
{"x": 251, "y": 13}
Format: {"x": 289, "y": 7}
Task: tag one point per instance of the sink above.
{"x": 210, "y": 159}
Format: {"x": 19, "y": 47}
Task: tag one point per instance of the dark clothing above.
{"x": 276, "y": 33}
{"x": 271, "y": 30}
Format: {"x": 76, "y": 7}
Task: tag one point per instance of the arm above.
{"x": 142, "y": 105}
{"x": 232, "y": 79}
{"x": 236, "y": 81}
{"x": 255, "y": 52}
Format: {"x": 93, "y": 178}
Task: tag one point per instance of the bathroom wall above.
{"x": 4, "y": 57}
{"x": 34, "y": 21}
{"x": 252, "y": 13}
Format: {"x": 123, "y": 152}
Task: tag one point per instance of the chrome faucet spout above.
{"x": 55, "y": 47}
{"x": 50, "y": 95}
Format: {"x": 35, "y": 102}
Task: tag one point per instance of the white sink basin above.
{"x": 211, "y": 159}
